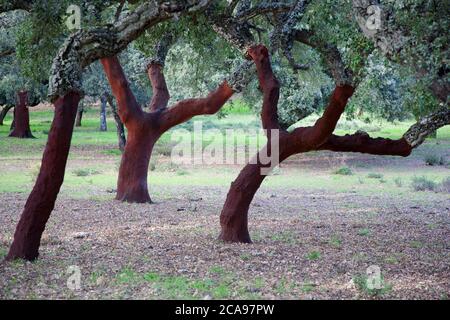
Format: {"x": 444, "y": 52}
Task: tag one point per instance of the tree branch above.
{"x": 361, "y": 142}
{"x": 318, "y": 134}
{"x": 155, "y": 65}
{"x": 186, "y": 109}
{"x": 129, "y": 109}
{"x": 417, "y": 133}
{"x": 269, "y": 85}
{"x": 85, "y": 46}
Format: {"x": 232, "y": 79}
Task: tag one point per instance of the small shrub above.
{"x": 444, "y": 186}
{"x": 363, "y": 232}
{"x": 423, "y": 184}
{"x": 361, "y": 284}
{"x": 84, "y": 172}
{"x": 313, "y": 255}
{"x": 182, "y": 172}
{"x": 434, "y": 160}
{"x": 345, "y": 171}
{"x": 398, "y": 182}
{"x": 373, "y": 175}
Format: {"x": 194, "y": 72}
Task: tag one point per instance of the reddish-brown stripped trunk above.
{"x": 145, "y": 128}
{"x": 133, "y": 171}
{"x": 234, "y": 215}
{"x": 21, "y": 127}
{"x": 41, "y": 200}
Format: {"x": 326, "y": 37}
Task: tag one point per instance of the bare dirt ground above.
{"x": 307, "y": 245}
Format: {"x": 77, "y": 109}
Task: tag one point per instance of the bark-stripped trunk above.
{"x": 119, "y": 124}
{"x": 234, "y": 216}
{"x": 145, "y": 128}
{"x": 4, "y": 112}
{"x": 21, "y": 120}
{"x": 132, "y": 181}
{"x": 42, "y": 199}
{"x": 79, "y": 115}
{"x": 103, "y": 126}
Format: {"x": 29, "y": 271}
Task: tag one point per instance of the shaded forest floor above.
{"x": 317, "y": 225}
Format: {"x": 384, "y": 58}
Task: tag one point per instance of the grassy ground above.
{"x": 317, "y": 223}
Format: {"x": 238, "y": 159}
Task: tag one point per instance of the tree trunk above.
{"x": 4, "y": 112}
{"x": 132, "y": 181}
{"x": 42, "y": 199}
{"x": 119, "y": 124}
{"x": 21, "y": 117}
{"x": 103, "y": 126}
{"x": 233, "y": 218}
{"x": 79, "y": 114}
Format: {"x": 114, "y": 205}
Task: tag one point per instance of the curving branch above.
{"x": 361, "y": 142}
{"x": 237, "y": 33}
{"x": 85, "y": 46}
{"x": 186, "y": 109}
{"x": 282, "y": 36}
{"x": 316, "y": 135}
{"x": 129, "y": 109}
{"x": 161, "y": 95}
{"x": 269, "y": 85}
{"x": 417, "y": 133}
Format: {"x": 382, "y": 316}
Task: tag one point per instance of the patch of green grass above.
{"x": 285, "y": 237}
{"x": 245, "y": 257}
{"x": 112, "y": 152}
{"x": 3, "y": 252}
{"x": 180, "y": 287}
{"x": 416, "y": 244}
{"x": 217, "y": 270}
{"x": 335, "y": 241}
{"x": 127, "y": 275}
{"x": 222, "y": 291}
{"x": 182, "y": 172}
{"x": 307, "y": 287}
{"x": 151, "y": 276}
{"x": 361, "y": 283}
{"x": 434, "y": 160}
{"x": 423, "y": 184}
{"x": 313, "y": 255}
{"x": 344, "y": 171}
{"x": 391, "y": 259}
{"x": 398, "y": 182}
{"x": 364, "y": 232}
